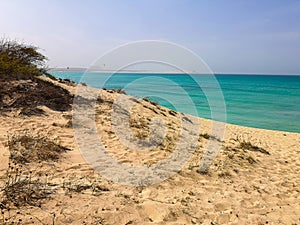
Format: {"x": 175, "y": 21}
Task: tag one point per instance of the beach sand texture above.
{"x": 242, "y": 186}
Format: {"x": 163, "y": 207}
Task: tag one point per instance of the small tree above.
{"x": 18, "y": 60}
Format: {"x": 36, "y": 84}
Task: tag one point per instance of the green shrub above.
{"x": 18, "y": 60}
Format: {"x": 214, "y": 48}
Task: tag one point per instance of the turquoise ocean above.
{"x": 262, "y": 101}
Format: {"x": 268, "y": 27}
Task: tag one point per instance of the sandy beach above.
{"x": 254, "y": 179}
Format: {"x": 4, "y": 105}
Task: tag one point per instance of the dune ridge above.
{"x": 254, "y": 179}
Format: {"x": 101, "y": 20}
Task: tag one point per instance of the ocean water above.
{"x": 262, "y": 101}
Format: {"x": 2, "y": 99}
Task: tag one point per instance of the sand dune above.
{"x": 246, "y": 184}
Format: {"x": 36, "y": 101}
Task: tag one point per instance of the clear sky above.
{"x": 231, "y": 36}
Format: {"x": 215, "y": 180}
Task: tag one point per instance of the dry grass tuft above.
{"x": 172, "y": 112}
{"x": 237, "y": 155}
{"x": 31, "y": 111}
{"x": 205, "y": 135}
{"x": 83, "y": 185}
{"x": 118, "y": 90}
{"x": 25, "y": 148}
{"x": 224, "y": 174}
{"x": 247, "y": 145}
{"x": 22, "y": 187}
{"x": 140, "y": 126}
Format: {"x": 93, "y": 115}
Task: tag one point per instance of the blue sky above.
{"x": 241, "y": 36}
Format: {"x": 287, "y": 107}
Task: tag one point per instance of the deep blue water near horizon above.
{"x": 262, "y": 101}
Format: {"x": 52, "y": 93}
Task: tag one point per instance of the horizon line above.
{"x": 84, "y": 69}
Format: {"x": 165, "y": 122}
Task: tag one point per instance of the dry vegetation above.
{"x": 25, "y": 148}
{"x": 25, "y": 184}
{"x": 247, "y": 145}
{"x": 22, "y": 187}
{"x": 31, "y": 93}
{"x": 27, "y": 181}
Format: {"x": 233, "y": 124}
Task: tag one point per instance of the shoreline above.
{"x": 235, "y": 121}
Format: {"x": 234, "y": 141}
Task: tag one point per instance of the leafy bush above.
{"x": 18, "y": 60}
